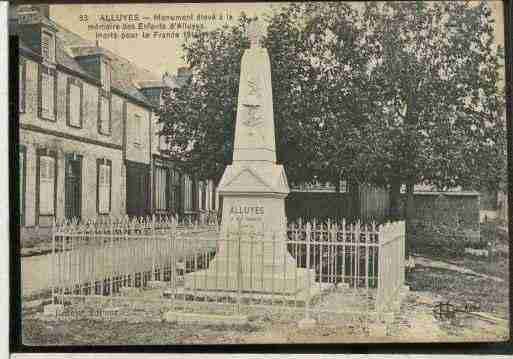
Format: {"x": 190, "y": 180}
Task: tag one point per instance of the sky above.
{"x": 161, "y": 55}
{"x": 156, "y": 55}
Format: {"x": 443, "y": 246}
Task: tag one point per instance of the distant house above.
{"x": 88, "y": 144}
{"x": 176, "y": 191}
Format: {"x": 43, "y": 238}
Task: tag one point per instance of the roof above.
{"x": 125, "y": 74}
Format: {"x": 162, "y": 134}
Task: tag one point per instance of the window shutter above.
{"x": 104, "y": 188}
{"x": 21, "y": 82}
{"x": 104, "y": 115}
{"x": 74, "y": 104}
{"x": 21, "y": 178}
{"x": 47, "y": 93}
{"x": 45, "y": 46}
{"x": 46, "y": 185}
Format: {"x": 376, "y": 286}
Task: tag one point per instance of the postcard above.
{"x": 255, "y": 173}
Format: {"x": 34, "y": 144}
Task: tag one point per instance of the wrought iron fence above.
{"x": 312, "y": 269}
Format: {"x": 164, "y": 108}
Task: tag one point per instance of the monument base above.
{"x": 298, "y": 299}
{"x": 289, "y": 283}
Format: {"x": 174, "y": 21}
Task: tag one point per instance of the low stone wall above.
{"x": 448, "y": 221}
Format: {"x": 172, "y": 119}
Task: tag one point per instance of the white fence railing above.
{"x": 314, "y": 268}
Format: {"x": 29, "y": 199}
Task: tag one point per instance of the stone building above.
{"x": 88, "y": 131}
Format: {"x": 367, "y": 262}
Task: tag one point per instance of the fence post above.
{"x": 308, "y": 238}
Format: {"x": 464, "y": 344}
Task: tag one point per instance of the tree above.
{"x": 437, "y": 69}
{"x": 317, "y": 63}
{"x": 391, "y": 94}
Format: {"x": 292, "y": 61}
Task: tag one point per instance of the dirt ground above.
{"x": 414, "y": 322}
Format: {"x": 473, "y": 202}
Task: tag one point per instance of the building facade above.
{"x": 174, "y": 190}
{"x": 89, "y": 144}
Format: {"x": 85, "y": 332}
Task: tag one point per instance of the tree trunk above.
{"x": 410, "y": 220}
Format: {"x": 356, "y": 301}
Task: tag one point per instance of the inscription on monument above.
{"x": 247, "y": 210}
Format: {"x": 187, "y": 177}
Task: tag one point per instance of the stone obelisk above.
{"x": 252, "y": 254}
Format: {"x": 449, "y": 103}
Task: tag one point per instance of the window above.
{"x": 161, "y": 187}
{"x": 187, "y": 196}
{"x": 47, "y": 94}
{"x": 104, "y": 176}
{"x": 202, "y": 195}
{"x": 105, "y": 76}
{"x": 48, "y": 46}
{"x": 214, "y": 197}
{"x": 208, "y": 195}
{"x": 47, "y": 185}
{"x": 21, "y": 81}
{"x": 21, "y": 169}
{"x": 174, "y": 192}
{"x": 137, "y": 129}
{"x": 343, "y": 186}
{"x": 104, "y": 116}
{"x": 74, "y": 103}
{"x": 163, "y": 145}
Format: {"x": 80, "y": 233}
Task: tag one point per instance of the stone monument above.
{"x": 252, "y": 254}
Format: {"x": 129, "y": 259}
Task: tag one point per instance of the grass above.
{"x": 458, "y": 288}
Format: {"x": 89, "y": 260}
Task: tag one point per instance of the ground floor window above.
{"x": 202, "y": 195}
{"x": 174, "y": 191}
{"x": 161, "y": 188}
{"x": 138, "y": 189}
{"x": 187, "y": 193}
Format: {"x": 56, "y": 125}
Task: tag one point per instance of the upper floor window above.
{"x": 104, "y": 115}
{"x": 48, "y": 46}
{"x": 74, "y": 103}
{"x": 105, "y": 76}
{"x": 47, "y": 93}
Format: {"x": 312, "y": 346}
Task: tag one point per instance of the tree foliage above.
{"x": 386, "y": 93}
{"x": 442, "y": 109}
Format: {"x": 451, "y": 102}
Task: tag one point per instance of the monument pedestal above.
{"x": 252, "y": 253}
